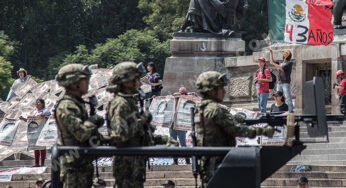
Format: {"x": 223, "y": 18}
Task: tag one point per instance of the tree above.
{"x": 163, "y": 17}
{"x": 254, "y": 23}
{"x": 133, "y": 45}
{"x": 47, "y": 29}
{"x": 7, "y": 49}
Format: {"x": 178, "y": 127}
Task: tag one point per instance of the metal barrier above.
{"x": 150, "y": 151}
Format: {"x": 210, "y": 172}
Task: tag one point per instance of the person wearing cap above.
{"x": 340, "y": 77}
{"x": 168, "y": 184}
{"x": 303, "y": 182}
{"x": 39, "y": 183}
{"x": 22, "y": 74}
{"x": 262, "y": 79}
{"x": 284, "y": 78}
{"x": 279, "y": 106}
{"x": 173, "y": 133}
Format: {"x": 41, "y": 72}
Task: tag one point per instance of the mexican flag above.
{"x": 301, "y": 21}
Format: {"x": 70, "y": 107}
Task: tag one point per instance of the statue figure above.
{"x": 338, "y": 9}
{"x": 211, "y": 16}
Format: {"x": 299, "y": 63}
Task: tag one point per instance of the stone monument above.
{"x": 204, "y": 42}
{"x": 338, "y": 10}
{"x": 194, "y": 53}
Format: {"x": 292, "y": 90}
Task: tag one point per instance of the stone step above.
{"x": 316, "y": 168}
{"x": 330, "y": 129}
{"x": 331, "y": 134}
{"x": 310, "y": 175}
{"x": 312, "y": 182}
{"x": 177, "y": 181}
{"x": 109, "y": 168}
{"x": 329, "y": 157}
{"x": 322, "y": 151}
{"x": 336, "y": 145}
{"x": 109, "y": 175}
{"x": 321, "y": 162}
{"x": 337, "y": 139}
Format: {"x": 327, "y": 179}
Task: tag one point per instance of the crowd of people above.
{"x": 263, "y": 77}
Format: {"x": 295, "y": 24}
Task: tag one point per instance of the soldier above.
{"x": 127, "y": 126}
{"x": 75, "y": 127}
{"x": 215, "y": 125}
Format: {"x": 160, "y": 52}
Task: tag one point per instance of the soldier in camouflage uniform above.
{"x": 74, "y": 125}
{"x": 214, "y": 123}
{"x": 128, "y": 126}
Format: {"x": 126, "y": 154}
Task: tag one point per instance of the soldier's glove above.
{"x": 146, "y": 118}
{"x": 97, "y": 120}
{"x": 252, "y": 132}
{"x": 171, "y": 141}
{"x": 269, "y": 131}
{"x": 239, "y": 117}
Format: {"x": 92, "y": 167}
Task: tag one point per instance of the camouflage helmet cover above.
{"x": 72, "y": 73}
{"x": 209, "y": 80}
{"x": 126, "y": 71}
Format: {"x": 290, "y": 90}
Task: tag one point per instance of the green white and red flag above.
{"x": 301, "y": 21}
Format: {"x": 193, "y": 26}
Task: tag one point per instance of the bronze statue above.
{"x": 211, "y": 16}
{"x": 338, "y": 9}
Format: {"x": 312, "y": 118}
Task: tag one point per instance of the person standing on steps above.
{"x": 284, "y": 80}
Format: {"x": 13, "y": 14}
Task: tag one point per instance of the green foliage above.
{"x": 133, "y": 45}
{"x": 7, "y": 47}
{"x": 47, "y": 29}
{"x": 254, "y": 23}
{"x": 163, "y": 17}
{"x": 7, "y": 50}
{"x": 5, "y": 77}
{"x": 38, "y": 80}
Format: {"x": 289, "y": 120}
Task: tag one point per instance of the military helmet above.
{"x": 72, "y": 73}
{"x": 209, "y": 80}
{"x": 126, "y": 71}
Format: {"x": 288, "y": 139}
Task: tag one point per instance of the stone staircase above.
{"x": 156, "y": 175}
{"x": 326, "y": 160}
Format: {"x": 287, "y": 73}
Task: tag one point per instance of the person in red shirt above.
{"x": 262, "y": 79}
{"x": 342, "y": 89}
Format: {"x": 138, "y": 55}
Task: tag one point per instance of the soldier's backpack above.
{"x": 273, "y": 82}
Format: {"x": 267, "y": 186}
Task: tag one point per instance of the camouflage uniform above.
{"x": 127, "y": 127}
{"x": 215, "y": 125}
{"x": 75, "y": 129}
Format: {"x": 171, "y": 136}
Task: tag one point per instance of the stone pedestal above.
{"x": 194, "y": 53}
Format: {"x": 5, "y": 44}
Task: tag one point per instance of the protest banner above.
{"x": 8, "y": 129}
{"x": 183, "y": 112}
{"x": 301, "y": 22}
{"x": 35, "y": 126}
{"x": 162, "y": 109}
{"x": 24, "y": 87}
{"x": 49, "y": 134}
